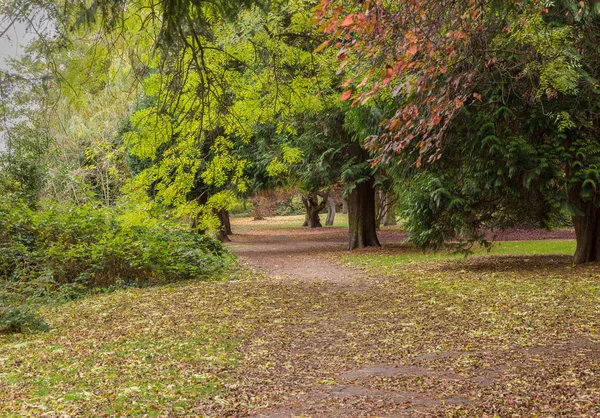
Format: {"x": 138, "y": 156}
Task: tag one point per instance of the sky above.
{"x": 11, "y": 46}
{"x": 10, "y": 43}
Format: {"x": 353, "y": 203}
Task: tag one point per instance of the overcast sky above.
{"x": 11, "y": 43}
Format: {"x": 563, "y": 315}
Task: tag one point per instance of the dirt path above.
{"x": 314, "y": 373}
{"x": 303, "y": 256}
{"x": 345, "y": 343}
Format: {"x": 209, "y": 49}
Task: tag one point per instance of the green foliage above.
{"x": 20, "y": 320}
{"x": 63, "y": 251}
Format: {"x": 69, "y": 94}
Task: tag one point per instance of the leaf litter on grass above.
{"x": 487, "y": 336}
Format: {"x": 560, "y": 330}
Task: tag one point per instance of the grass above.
{"x": 524, "y": 286}
{"x": 283, "y": 222}
{"x": 410, "y": 255}
{"x": 144, "y": 352}
{"x": 490, "y": 312}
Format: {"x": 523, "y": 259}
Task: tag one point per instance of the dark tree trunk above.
{"x": 330, "y": 212}
{"x": 227, "y": 222}
{"x": 312, "y": 207}
{"x": 361, "y": 216}
{"x": 587, "y": 229}
{"x": 222, "y": 232}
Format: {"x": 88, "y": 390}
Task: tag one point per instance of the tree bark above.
{"x": 345, "y": 207}
{"x": 222, "y": 232}
{"x": 227, "y": 222}
{"x": 361, "y": 216}
{"x": 313, "y": 207}
{"x": 587, "y": 228}
{"x": 330, "y": 212}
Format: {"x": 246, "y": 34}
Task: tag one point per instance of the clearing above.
{"x": 316, "y": 331}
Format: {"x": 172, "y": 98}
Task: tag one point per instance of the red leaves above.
{"x": 412, "y": 48}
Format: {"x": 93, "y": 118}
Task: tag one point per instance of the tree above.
{"x": 479, "y": 86}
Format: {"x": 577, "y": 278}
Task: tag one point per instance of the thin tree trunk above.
{"x": 390, "y": 214}
{"x": 361, "y": 217}
{"x": 313, "y": 207}
{"x": 587, "y": 229}
{"x": 345, "y": 207}
{"x": 227, "y": 222}
{"x": 330, "y": 212}
{"x": 222, "y": 232}
{"x": 306, "y": 211}
{"x": 380, "y": 208}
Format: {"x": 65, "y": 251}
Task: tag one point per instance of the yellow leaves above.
{"x": 290, "y": 155}
{"x": 151, "y": 131}
{"x": 153, "y": 84}
{"x": 322, "y": 46}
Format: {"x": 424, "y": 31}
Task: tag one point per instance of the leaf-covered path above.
{"x": 366, "y": 341}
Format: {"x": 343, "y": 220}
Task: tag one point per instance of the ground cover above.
{"x": 316, "y": 331}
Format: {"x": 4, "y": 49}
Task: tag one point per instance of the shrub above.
{"x": 21, "y": 320}
{"x": 63, "y": 251}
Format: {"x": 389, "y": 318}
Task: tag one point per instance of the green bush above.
{"x": 20, "y": 319}
{"x": 91, "y": 246}
{"x": 62, "y": 252}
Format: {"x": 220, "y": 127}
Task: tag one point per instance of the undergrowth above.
{"x": 61, "y": 253}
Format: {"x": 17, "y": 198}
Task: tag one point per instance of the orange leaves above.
{"x": 346, "y": 95}
{"x": 412, "y": 48}
{"x": 348, "y": 21}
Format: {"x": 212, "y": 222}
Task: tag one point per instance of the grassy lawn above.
{"x": 520, "y": 293}
{"x": 407, "y": 254}
{"x": 147, "y": 352}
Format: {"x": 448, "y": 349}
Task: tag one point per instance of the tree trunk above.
{"x": 330, "y": 212}
{"x": 344, "y": 207}
{"x": 587, "y": 229}
{"x": 380, "y": 208}
{"x": 227, "y": 222}
{"x": 389, "y": 218}
{"x": 222, "y": 232}
{"x": 361, "y": 216}
{"x": 312, "y": 207}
